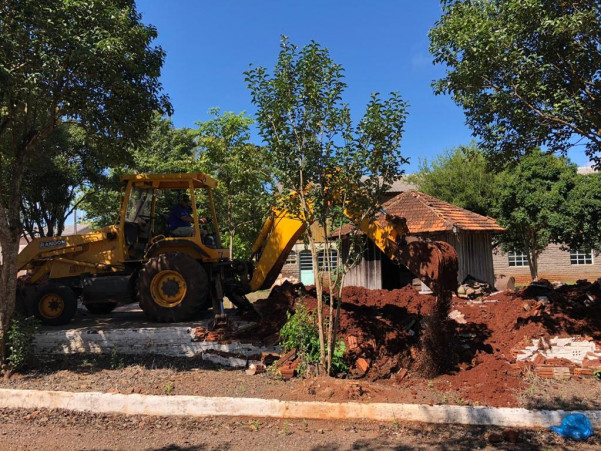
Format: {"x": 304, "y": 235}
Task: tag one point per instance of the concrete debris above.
{"x": 225, "y": 360}
{"x": 472, "y": 288}
{"x": 561, "y": 358}
{"x": 457, "y": 316}
{"x": 502, "y": 283}
{"x": 255, "y": 368}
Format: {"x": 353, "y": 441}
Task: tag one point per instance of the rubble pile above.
{"x": 495, "y": 335}
{"x": 472, "y": 288}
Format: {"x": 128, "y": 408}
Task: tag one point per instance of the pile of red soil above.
{"x": 382, "y": 328}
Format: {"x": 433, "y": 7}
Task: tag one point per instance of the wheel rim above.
{"x": 168, "y": 288}
{"x": 51, "y": 306}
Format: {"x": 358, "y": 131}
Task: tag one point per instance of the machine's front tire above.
{"x": 54, "y": 304}
{"x": 101, "y": 308}
{"x": 172, "y": 287}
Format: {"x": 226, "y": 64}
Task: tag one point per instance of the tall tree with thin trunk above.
{"x": 320, "y": 159}
{"x": 89, "y": 63}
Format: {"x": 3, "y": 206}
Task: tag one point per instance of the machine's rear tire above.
{"x": 101, "y": 308}
{"x": 172, "y": 287}
{"x": 54, "y": 304}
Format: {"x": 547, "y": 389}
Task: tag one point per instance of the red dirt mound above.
{"x": 382, "y": 329}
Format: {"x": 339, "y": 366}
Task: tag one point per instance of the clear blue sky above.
{"x": 382, "y": 44}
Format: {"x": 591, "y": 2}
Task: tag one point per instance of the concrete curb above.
{"x": 198, "y": 406}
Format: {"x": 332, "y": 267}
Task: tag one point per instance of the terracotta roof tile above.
{"x": 427, "y": 214}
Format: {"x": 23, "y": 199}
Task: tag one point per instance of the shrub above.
{"x": 300, "y": 332}
{"x": 21, "y": 334}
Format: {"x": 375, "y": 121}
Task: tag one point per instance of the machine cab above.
{"x": 148, "y": 202}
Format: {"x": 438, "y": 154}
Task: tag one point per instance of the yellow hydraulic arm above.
{"x": 275, "y": 241}
{"x": 434, "y": 262}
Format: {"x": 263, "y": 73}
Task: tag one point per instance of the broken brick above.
{"x": 255, "y": 368}
{"x": 362, "y": 365}
{"x": 352, "y": 342}
{"x": 583, "y": 372}
{"x": 539, "y": 359}
{"x": 401, "y": 374}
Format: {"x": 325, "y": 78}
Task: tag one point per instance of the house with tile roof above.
{"x": 299, "y": 264}
{"x": 428, "y": 217}
{"x": 469, "y": 233}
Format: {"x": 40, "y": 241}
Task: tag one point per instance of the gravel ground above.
{"x": 50, "y": 430}
{"x": 159, "y": 375}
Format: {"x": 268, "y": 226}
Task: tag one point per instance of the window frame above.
{"x": 321, "y": 260}
{"x": 292, "y": 258}
{"x": 517, "y": 259}
{"x": 581, "y": 258}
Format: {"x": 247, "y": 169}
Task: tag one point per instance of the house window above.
{"x": 322, "y": 260}
{"x": 516, "y": 258}
{"x": 581, "y": 257}
{"x": 291, "y": 260}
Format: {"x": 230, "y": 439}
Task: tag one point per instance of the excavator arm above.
{"x": 275, "y": 241}
{"x": 434, "y": 262}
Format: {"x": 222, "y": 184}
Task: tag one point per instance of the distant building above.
{"x": 556, "y": 263}
{"x": 469, "y": 233}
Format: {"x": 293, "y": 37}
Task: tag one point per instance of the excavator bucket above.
{"x": 434, "y": 262}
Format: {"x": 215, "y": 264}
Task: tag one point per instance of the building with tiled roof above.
{"x": 426, "y": 214}
{"x": 468, "y": 232}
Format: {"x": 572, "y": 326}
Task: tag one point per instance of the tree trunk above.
{"x": 8, "y": 291}
{"x": 533, "y": 263}
{"x": 319, "y": 292}
{"x": 334, "y": 318}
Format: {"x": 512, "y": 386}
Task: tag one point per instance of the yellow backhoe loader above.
{"x": 173, "y": 278}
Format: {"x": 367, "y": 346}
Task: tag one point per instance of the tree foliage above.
{"x": 533, "y": 204}
{"x": 526, "y": 72}
{"x": 243, "y": 172}
{"x": 64, "y": 162}
{"x": 164, "y": 149}
{"x": 582, "y": 228}
{"x": 89, "y": 63}
{"x": 322, "y": 162}
{"x": 460, "y": 176}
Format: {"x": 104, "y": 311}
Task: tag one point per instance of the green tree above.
{"x": 242, "y": 170}
{"x": 582, "y": 228}
{"x": 532, "y": 201}
{"x": 85, "y": 62}
{"x": 163, "y": 149}
{"x": 460, "y": 176}
{"x": 319, "y": 158}
{"x": 50, "y": 183}
{"x": 526, "y": 72}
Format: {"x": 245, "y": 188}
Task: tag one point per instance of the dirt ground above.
{"x": 382, "y": 327}
{"x": 385, "y": 326}
{"x": 50, "y": 430}
{"x": 159, "y": 375}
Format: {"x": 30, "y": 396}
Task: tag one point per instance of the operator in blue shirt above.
{"x": 181, "y": 221}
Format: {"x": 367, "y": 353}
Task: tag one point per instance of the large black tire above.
{"x": 101, "y": 308}
{"x": 54, "y": 304}
{"x": 172, "y": 287}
